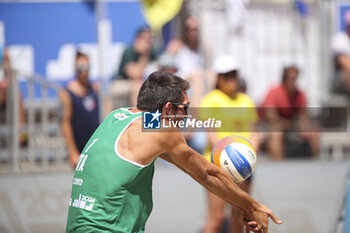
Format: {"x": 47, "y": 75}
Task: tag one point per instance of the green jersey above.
{"x": 110, "y": 193}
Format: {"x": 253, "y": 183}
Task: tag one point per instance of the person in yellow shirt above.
{"x": 238, "y": 114}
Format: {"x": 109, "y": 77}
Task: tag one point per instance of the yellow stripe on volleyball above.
{"x": 244, "y": 141}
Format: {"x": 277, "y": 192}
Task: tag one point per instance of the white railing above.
{"x": 36, "y": 145}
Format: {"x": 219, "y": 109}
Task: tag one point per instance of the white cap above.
{"x": 225, "y": 64}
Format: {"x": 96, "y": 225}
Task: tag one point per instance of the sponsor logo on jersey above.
{"x": 83, "y": 202}
{"x": 151, "y": 120}
{"x": 77, "y": 181}
{"x": 120, "y": 116}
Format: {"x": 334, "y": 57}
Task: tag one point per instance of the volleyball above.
{"x": 236, "y": 155}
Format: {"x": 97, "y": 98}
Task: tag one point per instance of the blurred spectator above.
{"x": 341, "y": 52}
{"x": 6, "y": 73}
{"x": 80, "y": 109}
{"x": 135, "y": 60}
{"x": 224, "y": 99}
{"x": 284, "y": 108}
{"x": 196, "y": 140}
{"x": 189, "y": 55}
{"x": 189, "y": 58}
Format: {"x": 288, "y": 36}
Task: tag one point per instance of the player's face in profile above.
{"x": 82, "y": 67}
{"x": 178, "y": 111}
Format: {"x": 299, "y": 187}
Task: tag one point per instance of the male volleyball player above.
{"x": 112, "y": 184}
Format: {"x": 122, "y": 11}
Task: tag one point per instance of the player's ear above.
{"x": 166, "y": 109}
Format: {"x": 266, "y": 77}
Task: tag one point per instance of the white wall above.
{"x": 271, "y": 37}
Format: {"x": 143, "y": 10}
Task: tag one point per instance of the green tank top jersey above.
{"x": 110, "y": 193}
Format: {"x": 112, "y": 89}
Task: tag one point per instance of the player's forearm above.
{"x": 219, "y": 183}
{"x": 222, "y": 187}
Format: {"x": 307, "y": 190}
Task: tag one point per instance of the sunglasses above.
{"x": 186, "y": 106}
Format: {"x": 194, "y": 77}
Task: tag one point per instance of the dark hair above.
{"x": 286, "y": 70}
{"x": 79, "y": 54}
{"x": 159, "y": 88}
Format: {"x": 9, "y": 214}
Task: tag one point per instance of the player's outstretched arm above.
{"x": 218, "y": 182}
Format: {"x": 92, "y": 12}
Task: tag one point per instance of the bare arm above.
{"x": 66, "y": 127}
{"x": 251, "y": 225}
{"x": 209, "y": 175}
{"x": 216, "y": 181}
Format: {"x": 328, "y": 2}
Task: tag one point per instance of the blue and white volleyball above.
{"x": 236, "y": 155}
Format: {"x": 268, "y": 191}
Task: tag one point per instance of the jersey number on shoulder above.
{"x": 83, "y": 157}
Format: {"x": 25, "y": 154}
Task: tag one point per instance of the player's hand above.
{"x": 250, "y": 225}
{"x": 261, "y": 217}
